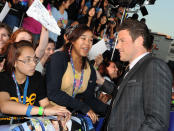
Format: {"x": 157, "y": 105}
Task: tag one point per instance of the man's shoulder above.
{"x": 150, "y": 61}
{"x": 155, "y": 60}
{"x": 149, "y": 58}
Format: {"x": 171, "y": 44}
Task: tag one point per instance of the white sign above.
{"x": 4, "y": 12}
{"x": 40, "y": 13}
{"x": 15, "y": 28}
{"x": 98, "y": 48}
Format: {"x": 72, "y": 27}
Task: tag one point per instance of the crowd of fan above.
{"x": 96, "y": 15}
{"x": 99, "y": 15}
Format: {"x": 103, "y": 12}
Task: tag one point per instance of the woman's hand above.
{"x": 60, "y": 111}
{"x": 100, "y": 80}
{"x": 60, "y": 24}
{"x": 104, "y": 97}
{"x": 98, "y": 60}
{"x": 93, "y": 116}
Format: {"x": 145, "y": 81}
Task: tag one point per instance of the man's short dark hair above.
{"x": 136, "y": 29}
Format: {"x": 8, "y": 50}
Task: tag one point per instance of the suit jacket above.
{"x": 143, "y": 100}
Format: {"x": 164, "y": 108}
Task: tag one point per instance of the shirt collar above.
{"x": 131, "y": 65}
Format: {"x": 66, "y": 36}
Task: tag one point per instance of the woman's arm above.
{"x": 40, "y": 50}
{"x": 106, "y": 85}
{"x": 10, "y": 107}
{"x": 101, "y": 33}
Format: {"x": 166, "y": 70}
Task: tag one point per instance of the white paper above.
{"x": 98, "y": 48}
{"x": 40, "y": 13}
{"x": 15, "y": 28}
{"x": 4, "y": 12}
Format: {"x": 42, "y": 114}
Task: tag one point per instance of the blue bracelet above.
{"x": 29, "y": 110}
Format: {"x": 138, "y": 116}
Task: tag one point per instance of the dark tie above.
{"x": 123, "y": 75}
{"x": 125, "y": 71}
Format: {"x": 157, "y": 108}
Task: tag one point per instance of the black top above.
{"x": 36, "y": 88}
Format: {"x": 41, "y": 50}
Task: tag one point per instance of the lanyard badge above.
{"x": 75, "y": 77}
{"x": 17, "y": 89}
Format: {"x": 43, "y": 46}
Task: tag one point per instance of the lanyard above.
{"x": 25, "y": 89}
{"x": 74, "y": 73}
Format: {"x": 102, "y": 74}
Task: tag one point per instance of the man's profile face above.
{"x": 126, "y": 46}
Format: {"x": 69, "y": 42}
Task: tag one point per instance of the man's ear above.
{"x": 139, "y": 41}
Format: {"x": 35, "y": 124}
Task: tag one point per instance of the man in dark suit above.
{"x": 143, "y": 99}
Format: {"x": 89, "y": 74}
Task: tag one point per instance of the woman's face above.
{"x": 105, "y": 3}
{"x": 112, "y": 70}
{"x": 4, "y": 37}
{"x": 23, "y": 36}
{"x": 83, "y": 44}
{"x": 67, "y": 4}
{"x": 103, "y": 20}
{"x": 50, "y": 49}
{"x": 84, "y": 11}
{"x": 26, "y": 62}
{"x": 92, "y": 12}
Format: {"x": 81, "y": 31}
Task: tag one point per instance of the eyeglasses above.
{"x": 29, "y": 60}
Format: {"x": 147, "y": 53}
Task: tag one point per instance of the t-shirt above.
{"x": 58, "y": 17}
{"x": 36, "y": 92}
{"x": 36, "y": 88}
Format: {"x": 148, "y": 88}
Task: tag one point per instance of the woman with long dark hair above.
{"x": 71, "y": 78}
{"x": 89, "y": 18}
{"x": 100, "y": 26}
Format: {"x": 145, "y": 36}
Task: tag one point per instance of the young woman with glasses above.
{"x": 22, "y": 90}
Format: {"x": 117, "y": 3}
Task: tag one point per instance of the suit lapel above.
{"x": 129, "y": 75}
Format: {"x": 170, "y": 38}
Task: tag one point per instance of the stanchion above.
{"x": 122, "y": 18}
